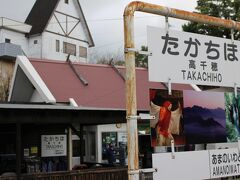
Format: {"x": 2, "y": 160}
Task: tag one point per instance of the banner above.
{"x": 189, "y": 58}
{"x": 192, "y": 117}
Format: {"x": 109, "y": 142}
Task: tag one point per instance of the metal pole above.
{"x": 131, "y": 102}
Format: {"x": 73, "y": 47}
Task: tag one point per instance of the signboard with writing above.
{"x": 206, "y": 164}
{"x": 53, "y": 145}
{"x": 224, "y": 163}
{"x": 192, "y": 58}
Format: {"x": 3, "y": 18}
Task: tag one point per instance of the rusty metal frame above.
{"x": 131, "y": 102}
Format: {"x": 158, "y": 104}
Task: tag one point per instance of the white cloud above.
{"x": 106, "y": 23}
{"x": 105, "y": 19}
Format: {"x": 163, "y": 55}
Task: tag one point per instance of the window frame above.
{"x": 57, "y": 45}
{"x": 7, "y": 40}
{"x": 69, "y": 47}
{"x": 84, "y": 50}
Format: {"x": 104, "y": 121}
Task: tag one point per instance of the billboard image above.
{"x": 191, "y": 117}
{"x": 232, "y": 116}
{"x": 204, "y": 117}
{"x": 168, "y": 124}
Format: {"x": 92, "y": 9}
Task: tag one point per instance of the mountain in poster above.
{"x": 203, "y": 125}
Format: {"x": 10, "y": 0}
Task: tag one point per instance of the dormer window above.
{"x": 66, "y": 1}
{"x": 69, "y": 48}
{"x": 7, "y": 40}
{"x": 57, "y": 46}
{"x": 82, "y": 52}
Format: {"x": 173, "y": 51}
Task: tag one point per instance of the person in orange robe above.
{"x": 164, "y": 137}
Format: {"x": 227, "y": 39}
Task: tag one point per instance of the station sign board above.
{"x": 53, "y": 145}
{"x": 206, "y": 164}
{"x": 189, "y": 58}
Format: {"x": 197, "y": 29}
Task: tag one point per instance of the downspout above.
{"x": 41, "y": 46}
{"x": 131, "y": 102}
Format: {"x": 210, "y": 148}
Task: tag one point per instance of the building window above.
{"x": 69, "y": 48}
{"x": 108, "y": 138}
{"x": 82, "y": 52}
{"x": 66, "y": 1}
{"x": 35, "y": 41}
{"x": 57, "y": 46}
{"x": 7, "y": 40}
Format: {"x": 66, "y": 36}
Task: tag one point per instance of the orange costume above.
{"x": 164, "y": 137}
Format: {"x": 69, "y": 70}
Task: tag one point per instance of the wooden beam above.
{"x": 69, "y": 148}
{"x": 18, "y": 150}
{"x": 81, "y": 145}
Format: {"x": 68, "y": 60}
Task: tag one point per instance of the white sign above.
{"x": 26, "y": 152}
{"x": 190, "y": 165}
{"x": 53, "y": 145}
{"x": 189, "y": 58}
{"x": 185, "y": 165}
{"x": 224, "y": 163}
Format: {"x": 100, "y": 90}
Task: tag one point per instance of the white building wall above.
{"x": 78, "y": 32}
{"x": 36, "y": 97}
{"x": 71, "y": 8}
{"x": 61, "y": 23}
{"x": 107, "y": 128}
{"x": 1, "y": 36}
{"x": 49, "y": 47}
{"x": 66, "y": 25}
{"x": 35, "y": 50}
{"x": 44, "y": 45}
{"x": 57, "y": 25}
{"x": 15, "y": 37}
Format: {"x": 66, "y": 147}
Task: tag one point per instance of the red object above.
{"x": 166, "y": 104}
{"x": 153, "y": 93}
{"x": 105, "y": 89}
{"x": 164, "y": 118}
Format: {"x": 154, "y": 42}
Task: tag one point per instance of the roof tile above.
{"x": 105, "y": 89}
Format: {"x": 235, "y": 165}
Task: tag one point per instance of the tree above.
{"x": 4, "y": 88}
{"x": 111, "y": 61}
{"x": 6, "y": 71}
{"x": 232, "y": 130}
{"x": 141, "y": 60}
{"x": 115, "y": 59}
{"x": 226, "y": 9}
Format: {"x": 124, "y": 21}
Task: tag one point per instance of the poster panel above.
{"x": 53, "y": 145}
{"x": 204, "y": 117}
{"x": 168, "y": 123}
{"x": 187, "y": 117}
{"x": 232, "y": 108}
{"x": 189, "y": 58}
